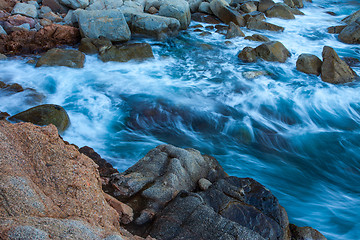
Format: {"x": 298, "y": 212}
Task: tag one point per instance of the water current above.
{"x": 295, "y": 134}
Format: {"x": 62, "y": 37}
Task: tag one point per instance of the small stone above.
{"x": 52, "y": 17}
{"x": 204, "y": 184}
{"x": 45, "y": 22}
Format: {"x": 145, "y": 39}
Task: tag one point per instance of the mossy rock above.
{"x": 44, "y": 115}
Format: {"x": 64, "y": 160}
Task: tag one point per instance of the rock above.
{"x": 153, "y": 25}
{"x": 272, "y": 51}
{"x": 194, "y": 5}
{"x": 178, "y": 9}
{"x": 280, "y": 11}
{"x": 296, "y": 11}
{"x": 205, "y": 18}
{"x": 253, "y": 74}
{"x": 157, "y": 178}
{"x": 352, "y": 18}
{"x": 44, "y": 115}
{"x": 3, "y": 115}
{"x": 3, "y": 57}
{"x": 17, "y": 20}
{"x": 350, "y": 34}
{"x": 352, "y": 62}
{"x": 40, "y": 41}
{"x": 308, "y": 63}
{"x": 75, "y": 4}
{"x": 15, "y": 87}
{"x": 2, "y": 31}
{"x": 86, "y": 46}
{"x": 153, "y": 10}
{"x": 105, "y": 5}
{"x": 234, "y": 31}
{"x": 45, "y": 9}
{"x": 335, "y": 29}
{"x": 258, "y": 16}
{"x": 294, "y": 3}
{"x": 55, "y": 6}
{"x": 290, "y": 3}
{"x": 258, "y": 38}
{"x": 248, "y": 54}
{"x": 45, "y": 22}
{"x": 302, "y": 233}
{"x": 62, "y": 57}
{"x": 127, "y": 52}
{"x": 334, "y": 70}
{"x": 125, "y": 212}
{"x": 225, "y": 13}
{"x": 204, "y": 184}
{"x": 52, "y": 17}
{"x": 254, "y": 24}
{"x": 110, "y": 24}
{"x": 49, "y": 190}
{"x": 132, "y": 6}
{"x": 205, "y": 8}
{"x": 265, "y": 5}
{"x": 7, "y": 5}
{"x": 25, "y": 9}
{"x": 248, "y": 7}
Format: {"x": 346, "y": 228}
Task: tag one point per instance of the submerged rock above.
{"x": 334, "y": 70}
{"x": 44, "y": 115}
{"x": 272, "y": 51}
{"x": 62, "y": 57}
{"x": 308, "y": 63}
{"x": 127, "y": 52}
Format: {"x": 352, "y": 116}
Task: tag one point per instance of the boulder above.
{"x": 265, "y": 5}
{"x": 273, "y": 52}
{"x": 352, "y": 62}
{"x": 25, "y": 9}
{"x": 248, "y": 7}
{"x": 127, "y": 52}
{"x": 62, "y": 57}
{"x": 234, "y": 31}
{"x": 55, "y": 6}
{"x": 350, "y": 34}
{"x": 301, "y": 233}
{"x": 352, "y": 17}
{"x": 49, "y": 190}
{"x": 110, "y": 24}
{"x": 258, "y": 16}
{"x": 225, "y": 13}
{"x": 294, "y": 3}
{"x": 248, "y": 54}
{"x": 205, "y": 18}
{"x": 254, "y": 24}
{"x": 86, "y": 46}
{"x": 336, "y": 29}
{"x": 334, "y": 70}
{"x": 44, "y": 115}
{"x": 205, "y": 8}
{"x": 105, "y": 5}
{"x": 75, "y": 4}
{"x": 7, "y": 5}
{"x": 280, "y": 10}
{"x": 17, "y": 20}
{"x": 178, "y": 9}
{"x": 258, "y": 38}
{"x": 308, "y": 63}
{"x": 3, "y": 57}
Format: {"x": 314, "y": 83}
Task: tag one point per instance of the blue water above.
{"x": 295, "y": 134}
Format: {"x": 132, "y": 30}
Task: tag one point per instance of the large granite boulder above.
{"x": 62, "y": 57}
{"x": 25, "y": 9}
{"x": 225, "y": 13}
{"x": 178, "y": 9}
{"x": 334, "y": 70}
{"x": 351, "y": 33}
{"x": 75, "y": 4}
{"x": 280, "y": 11}
{"x": 44, "y": 115}
{"x": 110, "y": 24}
{"x": 309, "y": 63}
{"x": 272, "y": 51}
{"x": 127, "y": 52}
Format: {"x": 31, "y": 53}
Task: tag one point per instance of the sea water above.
{"x": 293, "y": 133}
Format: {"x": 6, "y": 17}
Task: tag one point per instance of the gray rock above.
{"x": 273, "y": 52}
{"x": 110, "y": 24}
{"x": 35, "y": 3}
{"x": 44, "y": 115}
{"x": 254, "y": 24}
{"x": 105, "y": 4}
{"x": 27, "y": 233}
{"x": 45, "y": 9}
{"x": 127, "y": 52}
{"x": 152, "y": 3}
{"x": 258, "y": 38}
{"x": 194, "y": 5}
{"x": 86, "y": 46}
{"x": 225, "y": 13}
{"x": 2, "y": 31}
{"x": 334, "y": 70}
{"x": 308, "y": 63}
{"x": 70, "y": 18}
{"x": 352, "y": 17}
{"x": 62, "y": 57}
{"x": 280, "y": 11}
{"x": 258, "y": 16}
{"x": 25, "y": 9}
{"x": 178, "y": 9}
{"x": 350, "y": 34}
{"x": 204, "y": 184}
{"x": 132, "y": 7}
{"x": 55, "y": 6}
{"x": 75, "y": 4}
{"x": 234, "y": 31}
{"x": 113, "y": 237}
{"x": 205, "y": 8}
{"x": 248, "y": 54}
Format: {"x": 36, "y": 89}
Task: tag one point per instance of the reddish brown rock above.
{"x": 7, "y": 5}
{"x": 17, "y": 20}
{"x": 23, "y": 42}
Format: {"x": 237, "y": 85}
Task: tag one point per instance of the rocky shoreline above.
{"x": 51, "y": 189}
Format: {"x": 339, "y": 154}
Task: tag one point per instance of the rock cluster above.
{"x": 350, "y": 31}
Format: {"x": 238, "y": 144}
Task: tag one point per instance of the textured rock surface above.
{"x": 350, "y": 34}
{"x": 280, "y": 11}
{"x": 305, "y": 233}
{"x": 272, "y": 51}
{"x": 44, "y": 115}
{"x": 127, "y": 52}
{"x": 75, "y": 4}
{"x": 309, "y": 64}
{"x": 248, "y": 54}
{"x": 62, "y": 57}
{"x": 335, "y": 70}
{"x": 234, "y": 31}
{"x": 352, "y": 17}
{"x": 25, "y": 9}
{"x": 258, "y": 38}
{"x": 178, "y": 9}
{"x": 225, "y": 13}
{"x": 255, "y": 24}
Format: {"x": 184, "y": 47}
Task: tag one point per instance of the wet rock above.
{"x": 234, "y": 31}
{"x": 205, "y": 18}
{"x": 28, "y": 10}
{"x": 335, "y": 29}
{"x": 305, "y": 233}
{"x": 44, "y": 115}
{"x": 272, "y": 51}
{"x": 158, "y": 177}
{"x": 110, "y": 24}
{"x": 294, "y": 3}
{"x": 204, "y": 184}
{"x": 334, "y": 70}
{"x": 3, "y": 57}
{"x": 352, "y": 18}
{"x": 308, "y": 63}
{"x": 55, "y": 6}
{"x": 352, "y": 62}
{"x": 254, "y": 24}
{"x": 86, "y": 46}
{"x": 225, "y": 13}
{"x": 265, "y": 5}
{"x": 178, "y": 9}
{"x": 258, "y": 38}
{"x": 4, "y": 115}
{"x": 280, "y": 11}
{"x": 331, "y": 13}
{"x": 127, "y": 52}
{"x": 62, "y": 57}
{"x": 75, "y": 4}
{"x": 205, "y": 8}
{"x": 254, "y": 74}
{"x": 350, "y": 34}
{"x": 248, "y": 54}
{"x": 15, "y": 87}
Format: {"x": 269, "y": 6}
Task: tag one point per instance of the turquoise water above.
{"x": 290, "y": 131}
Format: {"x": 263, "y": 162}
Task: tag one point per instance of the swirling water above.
{"x": 292, "y": 132}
